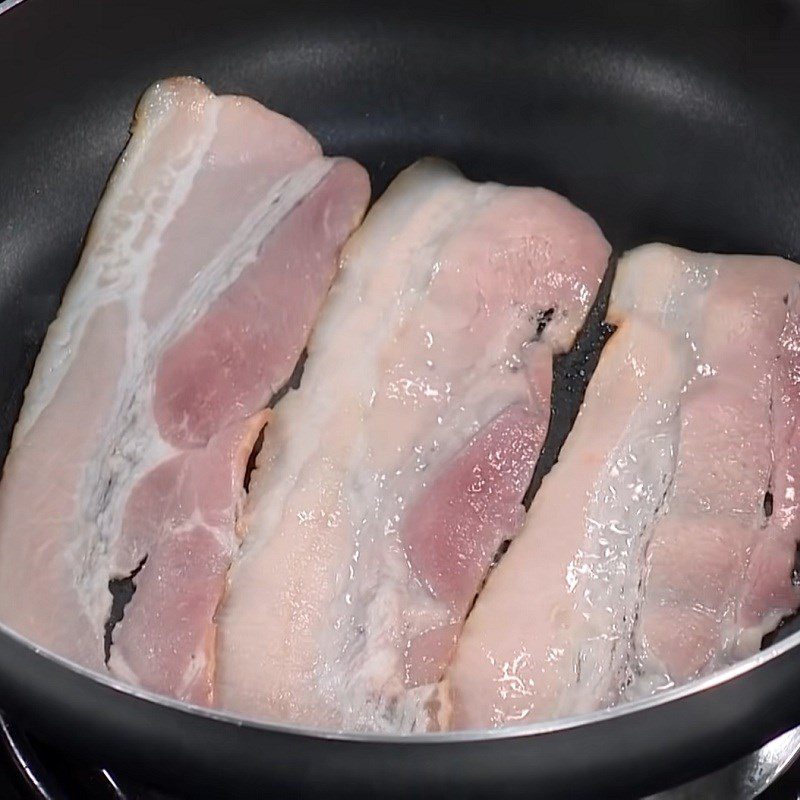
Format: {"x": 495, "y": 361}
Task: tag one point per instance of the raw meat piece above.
{"x": 207, "y": 262}
{"x": 647, "y": 557}
{"x": 387, "y": 482}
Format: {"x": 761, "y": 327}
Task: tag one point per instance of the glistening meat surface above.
{"x": 387, "y": 482}
{"x": 661, "y": 545}
{"x": 207, "y": 262}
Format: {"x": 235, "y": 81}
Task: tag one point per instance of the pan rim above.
{"x": 675, "y": 694}
{"x": 7, "y": 5}
{"x": 534, "y": 729}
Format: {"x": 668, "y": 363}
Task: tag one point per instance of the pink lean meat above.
{"x": 649, "y": 555}
{"x": 206, "y": 265}
{"x": 387, "y": 482}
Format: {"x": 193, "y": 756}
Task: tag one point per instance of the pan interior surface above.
{"x": 676, "y": 124}
{"x": 681, "y": 129}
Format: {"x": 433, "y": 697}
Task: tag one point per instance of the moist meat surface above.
{"x": 207, "y": 262}
{"x": 387, "y": 482}
{"x": 661, "y": 545}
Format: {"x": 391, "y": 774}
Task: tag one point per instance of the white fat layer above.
{"x": 358, "y": 653}
{"x": 383, "y": 290}
{"x": 636, "y": 489}
{"x": 116, "y": 268}
{"x": 619, "y": 519}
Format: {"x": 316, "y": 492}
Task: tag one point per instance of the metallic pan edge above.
{"x": 537, "y": 728}
{"x": 7, "y": 5}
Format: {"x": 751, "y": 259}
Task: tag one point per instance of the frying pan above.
{"x": 676, "y": 122}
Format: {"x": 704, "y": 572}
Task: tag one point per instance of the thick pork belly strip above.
{"x": 647, "y": 558}
{"x": 732, "y": 491}
{"x": 205, "y": 267}
{"x": 387, "y": 482}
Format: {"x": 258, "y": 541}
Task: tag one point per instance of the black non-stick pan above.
{"x": 677, "y": 122}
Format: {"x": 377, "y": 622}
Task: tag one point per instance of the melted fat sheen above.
{"x": 647, "y": 557}
{"x": 387, "y": 482}
{"x": 151, "y": 384}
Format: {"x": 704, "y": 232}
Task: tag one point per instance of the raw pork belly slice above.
{"x": 205, "y": 267}
{"x": 388, "y": 481}
{"x": 647, "y": 557}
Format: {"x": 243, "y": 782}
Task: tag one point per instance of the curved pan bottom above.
{"x": 675, "y": 123}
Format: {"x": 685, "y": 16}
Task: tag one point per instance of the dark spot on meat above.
{"x": 542, "y": 318}
{"x": 786, "y": 299}
{"x": 796, "y": 567}
{"x": 105, "y": 494}
{"x": 251, "y": 461}
{"x": 292, "y": 383}
{"x": 122, "y": 591}
{"x": 433, "y": 708}
{"x": 768, "y": 501}
{"x": 501, "y": 552}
